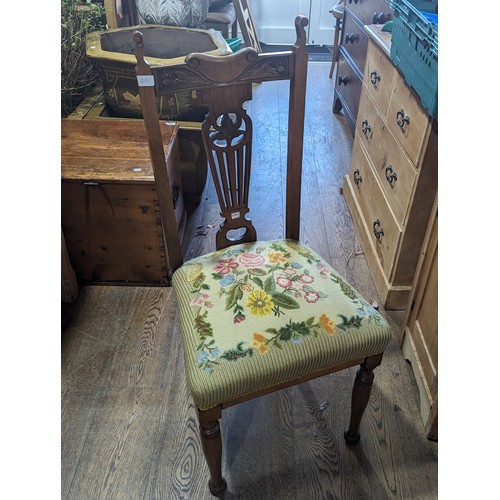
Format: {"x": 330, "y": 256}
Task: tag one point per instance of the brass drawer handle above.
{"x": 343, "y": 80}
{"x": 351, "y": 38}
{"x": 357, "y": 177}
{"x": 390, "y": 175}
{"x": 401, "y": 119}
{"x": 374, "y": 77}
{"x": 377, "y": 230}
{"x": 365, "y": 128}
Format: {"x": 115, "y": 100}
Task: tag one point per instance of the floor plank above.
{"x": 128, "y": 426}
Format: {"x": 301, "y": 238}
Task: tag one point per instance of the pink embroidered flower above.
{"x": 306, "y": 278}
{"x": 225, "y": 266}
{"x": 324, "y": 270}
{"x": 311, "y": 297}
{"x": 283, "y": 282}
{"x": 238, "y": 319}
{"x": 297, "y": 285}
{"x": 290, "y": 272}
{"x": 252, "y": 260}
{"x": 201, "y": 299}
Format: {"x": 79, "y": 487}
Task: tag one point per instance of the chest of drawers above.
{"x": 392, "y": 179}
{"x": 352, "y": 52}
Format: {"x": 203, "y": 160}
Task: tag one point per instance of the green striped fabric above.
{"x": 259, "y": 314}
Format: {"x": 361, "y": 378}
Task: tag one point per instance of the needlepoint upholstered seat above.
{"x": 256, "y": 316}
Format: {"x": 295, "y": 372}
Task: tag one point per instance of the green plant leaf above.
{"x": 258, "y": 281}
{"x": 285, "y": 301}
{"x": 233, "y": 295}
{"x": 270, "y": 285}
{"x": 257, "y": 272}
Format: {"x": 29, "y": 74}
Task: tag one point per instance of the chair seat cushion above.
{"x": 256, "y": 315}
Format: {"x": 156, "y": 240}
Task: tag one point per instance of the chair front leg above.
{"x": 211, "y": 442}
{"x": 360, "y": 396}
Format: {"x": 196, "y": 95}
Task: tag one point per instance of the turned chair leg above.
{"x": 360, "y": 396}
{"x": 211, "y": 442}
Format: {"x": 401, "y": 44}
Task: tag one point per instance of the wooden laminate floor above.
{"x": 129, "y": 428}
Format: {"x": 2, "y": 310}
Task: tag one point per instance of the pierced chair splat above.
{"x": 255, "y": 316}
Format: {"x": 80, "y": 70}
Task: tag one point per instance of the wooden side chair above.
{"x": 256, "y": 316}
{"x": 337, "y": 11}
{"x": 247, "y": 27}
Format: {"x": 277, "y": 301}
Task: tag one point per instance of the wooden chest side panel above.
{"x": 113, "y": 232}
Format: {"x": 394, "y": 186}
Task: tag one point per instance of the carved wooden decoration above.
{"x": 227, "y": 136}
{"x": 225, "y": 83}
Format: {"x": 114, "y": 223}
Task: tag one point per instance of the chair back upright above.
{"x": 225, "y": 84}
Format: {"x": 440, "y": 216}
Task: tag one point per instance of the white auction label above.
{"x": 145, "y": 80}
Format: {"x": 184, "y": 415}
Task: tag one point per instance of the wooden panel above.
{"x": 405, "y": 105}
{"x": 391, "y": 296}
{"x": 420, "y": 340}
{"x": 113, "y": 232}
{"x": 387, "y": 158}
{"x": 375, "y": 208}
{"x": 364, "y": 10}
{"x": 109, "y": 150}
{"x": 355, "y": 42}
{"x": 379, "y": 75}
{"x": 350, "y": 91}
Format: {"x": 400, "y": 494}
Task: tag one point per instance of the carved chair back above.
{"x": 225, "y": 84}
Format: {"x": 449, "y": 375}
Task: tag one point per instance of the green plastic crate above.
{"x": 234, "y": 43}
{"x": 414, "y": 51}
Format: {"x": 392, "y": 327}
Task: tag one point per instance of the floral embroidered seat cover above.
{"x": 256, "y": 315}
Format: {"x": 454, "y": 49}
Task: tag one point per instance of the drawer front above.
{"x": 408, "y": 120}
{"x": 370, "y": 11}
{"x": 348, "y": 85}
{"x": 355, "y": 42}
{"x": 395, "y": 172}
{"x": 383, "y": 229}
{"x": 378, "y": 77}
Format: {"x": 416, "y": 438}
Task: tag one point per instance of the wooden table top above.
{"x": 109, "y": 150}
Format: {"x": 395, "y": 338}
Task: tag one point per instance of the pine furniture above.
{"x": 110, "y": 213}
{"x": 256, "y": 316}
{"x": 420, "y": 336}
{"x": 392, "y": 178}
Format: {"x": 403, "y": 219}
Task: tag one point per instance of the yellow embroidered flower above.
{"x": 260, "y": 303}
{"x": 276, "y": 257}
{"x": 246, "y": 287}
{"x": 193, "y": 273}
{"x": 258, "y": 338}
{"x": 259, "y": 342}
{"x": 327, "y": 324}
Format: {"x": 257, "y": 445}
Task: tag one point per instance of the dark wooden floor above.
{"x": 129, "y": 428}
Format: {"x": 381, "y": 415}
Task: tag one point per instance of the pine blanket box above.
{"x": 110, "y": 213}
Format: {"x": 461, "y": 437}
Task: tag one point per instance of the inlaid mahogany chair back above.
{"x": 255, "y": 316}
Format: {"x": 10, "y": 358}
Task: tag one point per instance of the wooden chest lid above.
{"x": 114, "y": 149}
